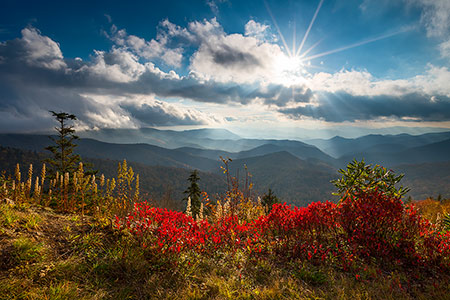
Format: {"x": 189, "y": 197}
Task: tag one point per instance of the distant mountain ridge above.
{"x": 434, "y": 152}
{"x": 296, "y": 148}
{"x": 162, "y": 138}
{"x": 339, "y": 146}
{"x": 140, "y": 153}
{"x": 297, "y": 171}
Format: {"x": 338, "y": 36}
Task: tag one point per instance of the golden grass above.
{"x": 63, "y": 258}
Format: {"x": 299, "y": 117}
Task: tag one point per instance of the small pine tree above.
{"x": 269, "y": 199}
{"x": 409, "y": 200}
{"x": 64, "y": 160}
{"x": 194, "y": 192}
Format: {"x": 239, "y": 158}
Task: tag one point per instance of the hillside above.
{"x": 434, "y": 152}
{"x": 140, "y": 153}
{"x": 426, "y": 179}
{"x": 88, "y": 240}
{"x": 162, "y": 185}
{"x": 293, "y": 180}
{"x": 299, "y": 175}
{"x": 46, "y": 254}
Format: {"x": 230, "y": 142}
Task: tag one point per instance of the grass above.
{"x": 26, "y": 250}
{"x": 48, "y": 255}
{"x": 8, "y": 216}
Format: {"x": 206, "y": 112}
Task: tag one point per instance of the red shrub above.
{"x": 366, "y": 227}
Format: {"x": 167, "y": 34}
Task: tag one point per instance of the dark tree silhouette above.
{"x": 194, "y": 192}
{"x": 63, "y": 160}
{"x": 269, "y": 199}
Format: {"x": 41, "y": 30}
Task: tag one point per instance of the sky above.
{"x": 259, "y": 68}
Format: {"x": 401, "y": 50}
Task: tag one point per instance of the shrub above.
{"x": 359, "y": 177}
{"x": 369, "y": 227}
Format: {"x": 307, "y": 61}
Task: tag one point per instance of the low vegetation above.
{"x": 81, "y": 236}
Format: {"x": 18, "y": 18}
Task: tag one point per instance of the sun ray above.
{"x": 309, "y": 28}
{"x": 293, "y": 38}
{"x": 312, "y": 47}
{"x": 356, "y": 44}
{"x": 278, "y": 28}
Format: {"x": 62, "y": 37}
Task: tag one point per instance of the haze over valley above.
{"x": 299, "y": 172}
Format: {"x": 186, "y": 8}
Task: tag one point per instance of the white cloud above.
{"x": 361, "y": 83}
{"x": 213, "y": 5}
{"x": 154, "y": 112}
{"x": 257, "y": 30}
{"x": 39, "y": 50}
{"x": 174, "y": 30}
{"x": 204, "y": 30}
{"x": 117, "y": 65}
{"x": 435, "y": 16}
{"x": 108, "y": 117}
{"x": 116, "y": 88}
{"x": 358, "y": 95}
{"x": 223, "y": 57}
{"x": 155, "y": 48}
{"x": 444, "y": 48}
{"x": 232, "y": 57}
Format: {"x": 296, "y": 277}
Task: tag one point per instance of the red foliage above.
{"x": 366, "y": 227}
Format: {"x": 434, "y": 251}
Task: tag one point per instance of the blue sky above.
{"x": 263, "y": 68}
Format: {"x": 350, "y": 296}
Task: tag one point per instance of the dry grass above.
{"x": 70, "y": 251}
{"x": 48, "y": 255}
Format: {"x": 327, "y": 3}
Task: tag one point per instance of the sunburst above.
{"x": 291, "y": 66}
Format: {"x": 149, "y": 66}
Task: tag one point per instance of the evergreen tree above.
{"x": 269, "y": 199}
{"x": 194, "y": 192}
{"x": 359, "y": 177}
{"x": 63, "y": 160}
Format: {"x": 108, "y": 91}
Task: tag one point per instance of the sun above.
{"x": 289, "y": 70}
{"x": 291, "y": 67}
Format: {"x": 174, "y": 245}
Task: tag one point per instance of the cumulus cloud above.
{"x": 232, "y": 57}
{"x": 117, "y": 65}
{"x": 433, "y": 82}
{"x": 239, "y": 58}
{"x": 107, "y": 90}
{"x": 357, "y": 95}
{"x": 259, "y": 31}
{"x": 34, "y": 49}
{"x": 159, "y": 113}
{"x": 35, "y": 78}
{"x": 158, "y": 48}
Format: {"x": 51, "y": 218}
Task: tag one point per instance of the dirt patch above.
{"x": 7, "y": 259}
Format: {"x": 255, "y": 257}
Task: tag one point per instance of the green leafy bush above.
{"x": 359, "y": 177}
{"x": 446, "y": 222}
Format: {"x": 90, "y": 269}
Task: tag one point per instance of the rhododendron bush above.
{"x": 367, "y": 227}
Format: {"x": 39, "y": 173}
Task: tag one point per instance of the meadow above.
{"x": 81, "y": 236}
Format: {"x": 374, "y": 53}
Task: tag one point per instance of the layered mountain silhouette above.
{"x": 197, "y": 138}
{"x": 374, "y": 143}
{"x": 299, "y": 172}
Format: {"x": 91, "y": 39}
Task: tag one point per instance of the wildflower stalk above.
{"x": 188, "y": 207}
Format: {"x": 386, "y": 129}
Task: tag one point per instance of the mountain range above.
{"x": 297, "y": 171}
